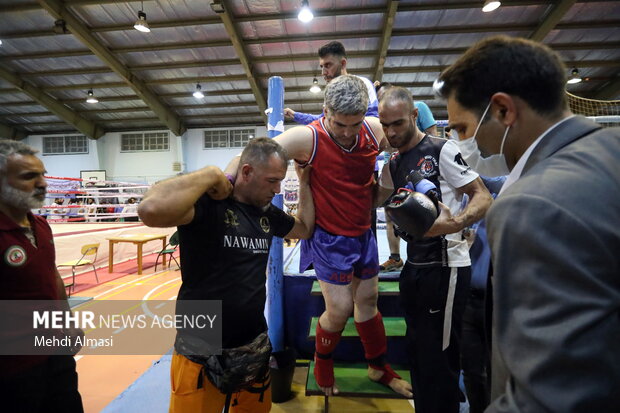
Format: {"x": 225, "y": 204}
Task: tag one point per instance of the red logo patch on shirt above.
{"x": 15, "y": 256}
{"x": 427, "y": 166}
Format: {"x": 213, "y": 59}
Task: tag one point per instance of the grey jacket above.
{"x": 555, "y": 239}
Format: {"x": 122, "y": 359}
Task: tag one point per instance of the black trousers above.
{"x": 475, "y": 352}
{"x": 51, "y": 387}
{"x": 424, "y": 294}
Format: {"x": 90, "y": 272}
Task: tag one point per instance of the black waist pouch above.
{"x": 236, "y": 368}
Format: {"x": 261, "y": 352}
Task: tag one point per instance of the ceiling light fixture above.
{"x": 60, "y": 27}
{"x": 315, "y": 88}
{"x": 305, "y": 14}
{"x": 217, "y": 7}
{"x": 198, "y": 92}
{"x": 490, "y": 5}
{"x": 574, "y": 77}
{"x": 91, "y": 97}
{"x": 141, "y": 24}
{"x": 0, "y": 42}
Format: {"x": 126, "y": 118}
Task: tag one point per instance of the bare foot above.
{"x": 324, "y": 372}
{"x": 330, "y": 391}
{"x": 398, "y": 385}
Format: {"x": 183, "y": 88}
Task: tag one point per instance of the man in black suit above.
{"x": 554, "y": 229}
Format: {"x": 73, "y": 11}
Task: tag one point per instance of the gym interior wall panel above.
{"x": 66, "y": 165}
{"x": 196, "y": 157}
{"x": 144, "y": 166}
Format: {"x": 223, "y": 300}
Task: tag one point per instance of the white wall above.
{"x": 66, "y": 165}
{"x": 105, "y": 154}
{"x": 137, "y": 166}
{"x": 196, "y": 156}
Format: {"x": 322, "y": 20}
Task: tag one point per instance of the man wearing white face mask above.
{"x": 553, "y": 230}
{"x": 493, "y": 165}
{"x": 477, "y": 316}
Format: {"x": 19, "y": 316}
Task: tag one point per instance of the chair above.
{"x": 89, "y": 257}
{"x": 170, "y": 249}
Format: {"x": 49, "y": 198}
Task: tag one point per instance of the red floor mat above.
{"x": 87, "y": 280}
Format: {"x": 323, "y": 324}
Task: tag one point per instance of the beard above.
{"x": 21, "y": 200}
{"x": 404, "y": 139}
{"x": 337, "y": 73}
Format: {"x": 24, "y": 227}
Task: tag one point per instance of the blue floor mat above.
{"x": 75, "y": 301}
{"x": 149, "y": 393}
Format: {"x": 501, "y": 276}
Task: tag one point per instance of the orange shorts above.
{"x": 193, "y": 394}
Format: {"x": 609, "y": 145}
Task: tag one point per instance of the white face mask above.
{"x": 493, "y": 165}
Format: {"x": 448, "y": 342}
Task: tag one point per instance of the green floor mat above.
{"x": 385, "y": 288}
{"x": 394, "y": 327}
{"x": 352, "y": 381}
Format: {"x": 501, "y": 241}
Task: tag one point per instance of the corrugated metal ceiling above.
{"x": 145, "y": 80}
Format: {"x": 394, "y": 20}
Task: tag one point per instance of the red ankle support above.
{"x": 372, "y": 335}
{"x": 326, "y": 341}
{"x": 388, "y": 374}
{"x": 324, "y": 371}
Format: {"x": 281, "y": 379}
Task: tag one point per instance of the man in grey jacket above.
{"x": 554, "y": 229}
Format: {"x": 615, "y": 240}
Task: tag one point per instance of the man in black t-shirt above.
{"x": 434, "y": 281}
{"x": 225, "y": 232}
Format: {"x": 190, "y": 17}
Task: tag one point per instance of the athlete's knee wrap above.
{"x": 412, "y": 212}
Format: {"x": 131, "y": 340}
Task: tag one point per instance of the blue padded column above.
{"x": 275, "y": 278}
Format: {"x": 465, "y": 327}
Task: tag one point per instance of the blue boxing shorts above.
{"x": 337, "y": 259}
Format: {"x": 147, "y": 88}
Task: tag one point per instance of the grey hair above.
{"x": 259, "y": 150}
{"x": 347, "y": 95}
{"x": 397, "y": 94}
{"x": 9, "y": 148}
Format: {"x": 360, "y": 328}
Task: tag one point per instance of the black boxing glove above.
{"x": 412, "y": 212}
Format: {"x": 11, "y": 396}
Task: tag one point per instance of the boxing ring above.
{"x": 82, "y": 212}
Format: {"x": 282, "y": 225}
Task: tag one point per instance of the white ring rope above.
{"x": 110, "y": 200}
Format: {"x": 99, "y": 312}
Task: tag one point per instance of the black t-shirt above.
{"x": 224, "y": 254}
{"x": 424, "y": 158}
{"x": 440, "y": 161}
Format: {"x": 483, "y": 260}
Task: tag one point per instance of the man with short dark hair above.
{"x": 333, "y": 63}
{"x": 35, "y": 383}
{"x": 225, "y": 232}
{"x": 426, "y": 123}
{"x": 435, "y": 279}
{"x": 553, "y": 229}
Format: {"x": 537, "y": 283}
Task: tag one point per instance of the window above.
{"x": 131, "y": 142}
{"x": 222, "y": 138}
{"x": 216, "y": 139}
{"x": 156, "y": 141}
{"x": 240, "y": 137}
{"x": 151, "y": 141}
{"x": 65, "y": 145}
